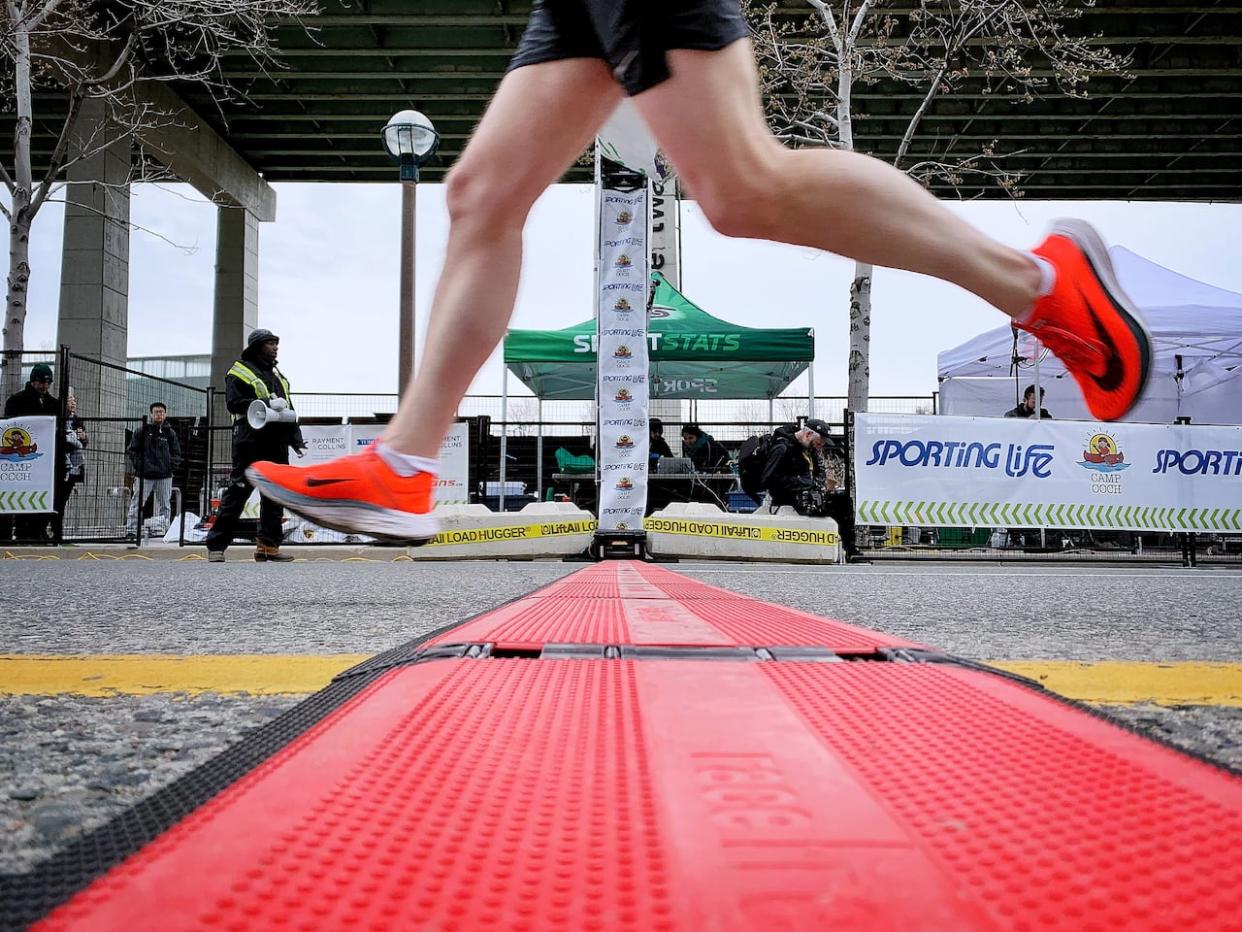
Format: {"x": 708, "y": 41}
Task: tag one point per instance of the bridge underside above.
{"x": 1170, "y": 130}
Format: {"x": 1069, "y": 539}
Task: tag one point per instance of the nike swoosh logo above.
{"x": 312, "y": 482}
{"x": 1114, "y": 371}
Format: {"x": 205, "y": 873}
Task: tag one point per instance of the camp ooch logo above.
{"x": 623, "y": 395}
{"x": 622, "y": 305}
{"x": 16, "y": 445}
{"x": 1103, "y": 455}
{"x": 625, "y": 441}
{"x": 622, "y": 352}
{"x": 625, "y": 484}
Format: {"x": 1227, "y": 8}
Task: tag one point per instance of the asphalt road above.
{"x": 68, "y": 763}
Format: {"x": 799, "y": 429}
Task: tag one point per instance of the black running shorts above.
{"x": 630, "y": 35}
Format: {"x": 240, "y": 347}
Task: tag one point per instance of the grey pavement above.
{"x": 977, "y": 611}
{"x": 68, "y": 763}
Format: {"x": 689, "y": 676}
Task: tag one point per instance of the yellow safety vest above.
{"x": 241, "y": 371}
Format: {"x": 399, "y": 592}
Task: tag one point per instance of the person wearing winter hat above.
{"x": 36, "y": 398}
{"x": 255, "y": 376}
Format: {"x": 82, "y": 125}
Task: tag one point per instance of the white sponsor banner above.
{"x": 452, "y": 483}
{"x": 621, "y": 325}
{"x": 1009, "y": 472}
{"x": 453, "y": 480}
{"x": 323, "y": 444}
{"x": 27, "y": 465}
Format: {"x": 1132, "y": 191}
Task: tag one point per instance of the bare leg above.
{"x": 709, "y": 121}
{"x": 542, "y": 117}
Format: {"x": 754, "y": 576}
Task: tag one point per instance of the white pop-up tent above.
{"x": 1190, "y": 321}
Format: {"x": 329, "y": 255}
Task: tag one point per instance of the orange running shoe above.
{"x": 1090, "y": 323}
{"x": 357, "y": 494}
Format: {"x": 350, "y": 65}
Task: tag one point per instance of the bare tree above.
{"x": 107, "y": 56}
{"x": 1005, "y": 50}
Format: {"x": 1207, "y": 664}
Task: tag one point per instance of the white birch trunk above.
{"x": 860, "y": 338}
{"x": 19, "y": 224}
{"x": 859, "y": 361}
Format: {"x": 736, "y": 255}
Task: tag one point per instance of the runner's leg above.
{"x": 709, "y": 121}
{"x": 542, "y": 117}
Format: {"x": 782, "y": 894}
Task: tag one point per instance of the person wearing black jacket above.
{"x": 154, "y": 453}
{"x": 659, "y": 446}
{"x": 33, "y": 400}
{"x": 1027, "y": 408}
{"x": 36, "y": 398}
{"x": 704, "y": 451}
{"x": 255, "y": 376}
{"x": 794, "y": 475}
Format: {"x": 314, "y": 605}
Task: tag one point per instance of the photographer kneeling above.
{"x": 789, "y": 466}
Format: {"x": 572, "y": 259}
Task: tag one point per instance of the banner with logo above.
{"x": 27, "y": 465}
{"x": 623, "y": 360}
{"x": 325, "y": 443}
{"x": 1002, "y": 472}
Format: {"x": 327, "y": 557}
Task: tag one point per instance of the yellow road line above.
{"x": 1119, "y": 682}
{"x": 1100, "y": 682}
{"x": 143, "y": 674}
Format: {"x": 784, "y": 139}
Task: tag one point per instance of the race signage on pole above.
{"x": 621, "y": 316}
{"x": 27, "y": 465}
{"x": 1012, "y": 472}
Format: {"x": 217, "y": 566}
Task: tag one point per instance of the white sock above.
{"x": 1047, "y": 273}
{"x": 405, "y": 464}
{"x": 1047, "y": 279}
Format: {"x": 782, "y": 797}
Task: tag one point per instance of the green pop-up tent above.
{"x": 693, "y": 354}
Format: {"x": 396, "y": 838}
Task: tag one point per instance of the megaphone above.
{"x": 260, "y": 414}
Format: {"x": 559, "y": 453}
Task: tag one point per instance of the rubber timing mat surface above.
{"x": 534, "y": 793}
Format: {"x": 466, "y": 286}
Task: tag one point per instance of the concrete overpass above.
{"x": 1170, "y": 130}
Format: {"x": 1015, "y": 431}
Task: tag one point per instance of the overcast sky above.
{"x": 329, "y": 265}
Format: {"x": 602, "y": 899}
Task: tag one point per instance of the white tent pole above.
{"x": 771, "y": 411}
{"x": 810, "y": 386}
{"x": 504, "y": 430}
{"x": 1039, "y": 410}
{"x": 1039, "y": 402}
{"x": 539, "y": 452}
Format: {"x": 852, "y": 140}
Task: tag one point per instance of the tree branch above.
{"x": 825, "y": 12}
{"x": 856, "y": 28}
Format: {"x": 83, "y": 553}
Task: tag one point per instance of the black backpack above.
{"x": 751, "y": 458}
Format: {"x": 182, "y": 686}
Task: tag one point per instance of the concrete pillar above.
{"x": 94, "y": 275}
{"x": 237, "y": 288}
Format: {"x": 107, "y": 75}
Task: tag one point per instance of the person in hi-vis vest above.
{"x": 252, "y": 377}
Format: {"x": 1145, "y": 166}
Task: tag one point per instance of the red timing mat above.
{"x": 681, "y": 793}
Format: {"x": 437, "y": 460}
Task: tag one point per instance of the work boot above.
{"x": 265, "y": 553}
{"x": 215, "y": 556}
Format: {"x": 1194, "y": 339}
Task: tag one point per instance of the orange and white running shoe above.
{"x": 1090, "y": 323}
{"x": 357, "y": 494}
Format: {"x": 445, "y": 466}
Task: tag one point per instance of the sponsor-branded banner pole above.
{"x": 1010, "y": 472}
{"x": 622, "y": 354}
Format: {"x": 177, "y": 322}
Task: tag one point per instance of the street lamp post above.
{"x": 410, "y": 141}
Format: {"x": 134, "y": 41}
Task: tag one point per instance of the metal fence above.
{"x": 516, "y": 460}
{"x": 114, "y": 404}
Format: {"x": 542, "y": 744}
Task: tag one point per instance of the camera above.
{"x": 812, "y": 502}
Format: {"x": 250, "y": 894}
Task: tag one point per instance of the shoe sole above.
{"x": 1084, "y": 236}
{"x": 351, "y": 517}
